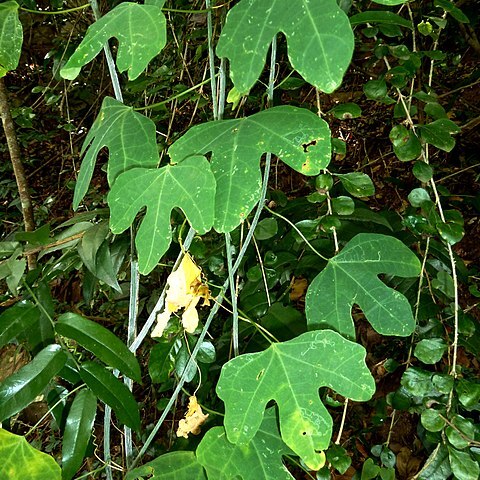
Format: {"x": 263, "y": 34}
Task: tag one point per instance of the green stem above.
{"x": 56, "y": 12}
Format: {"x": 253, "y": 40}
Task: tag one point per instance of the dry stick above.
{"x": 18, "y": 170}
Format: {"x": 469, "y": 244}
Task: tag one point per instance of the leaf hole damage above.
{"x": 306, "y": 146}
{"x": 260, "y": 374}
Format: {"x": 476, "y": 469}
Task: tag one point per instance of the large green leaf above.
{"x": 21, "y": 388}
{"x": 130, "y": 138}
{"x": 320, "y": 40}
{"x": 141, "y": 34}
{"x": 21, "y": 460}
{"x": 16, "y": 320}
{"x": 11, "y": 37}
{"x": 324, "y": 358}
{"x": 78, "y": 430}
{"x": 260, "y": 458}
{"x": 189, "y": 185}
{"x": 113, "y": 392}
{"x": 351, "y": 278}
{"x": 299, "y": 137}
{"x": 171, "y": 466}
{"x": 101, "y": 342}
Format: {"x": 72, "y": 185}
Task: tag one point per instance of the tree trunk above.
{"x": 19, "y": 171}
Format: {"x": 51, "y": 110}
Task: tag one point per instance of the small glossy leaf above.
{"x": 357, "y": 184}
{"x": 461, "y": 432}
{"x": 468, "y": 393}
{"x": 161, "y": 362}
{"x": 261, "y": 458}
{"x": 189, "y": 185}
{"x": 11, "y": 37}
{"x": 406, "y": 145}
{"x": 113, "y": 392}
{"x": 369, "y": 470}
{"x": 417, "y": 196}
{"x": 266, "y": 228}
{"x": 320, "y": 40}
{"x": 297, "y": 136}
{"x": 345, "y": 111}
{"x": 463, "y": 466}
{"x": 21, "y": 460}
{"x": 439, "y": 133}
{"x": 78, "y": 430}
{"x": 423, "y": 171}
{"x": 452, "y": 233}
{"x": 432, "y": 420}
{"x": 248, "y": 382}
{"x": 437, "y": 466}
{"x": 339, "y": 459}
{"x": 381, "y": 17}
{"x": 141, "y": 34}
{"x": 16, "y": 320}
{"x": 178, "y": 465}
{"x": 343, "y": 205}
{"x": 430, "y": 350}
{"x": 101, "y": 342}
{"x": 21, "y": 388}
{"x": 130, "y": 138}
{"x": 90, "y": 243}
{"x": 351, "y": 277}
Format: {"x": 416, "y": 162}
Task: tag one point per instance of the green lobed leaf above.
{"x": 179, "y": 465}
{"x": 141, "y": 34}
{"x": 16, "y": 320}
{"x": 20, "y": 389}
{"x": 381, "y": 17}
{"x": 319, "y": 36}
{"x": 21, "y": 460}
{"x": 113, "y": 392}
{"x": 351, "y": 277}
{"x": 189, "y": 185}
{"x": 261, "y": 458}
{"x": 130, "y": 138}
{"x": 11, "y": 37}
{"x": 248, "y": 382}
{"x": 78, "y": 430}
{"x": 439, "y": 133}
{"x": 101, "y": 342}
{"x": 297, "y": 136}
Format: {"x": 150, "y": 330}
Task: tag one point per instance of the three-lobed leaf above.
{"x": 130, "y": 138}
{"x": 78, "y": 430}
{"x": 260, "y": 458}
{"x": 21, "y": 460}
{"x": 101, "y": 342}
{"x": 324, "y": 358}
{"x": 11, "y": 37}
{"x": 297, "y": 136}
{"x": 351, "y": 278}
{"x": 189, "y": 186}
{"x": 319, "y": 36}
{"x": 21, "y": 388}
{"x": 141, "y": 34}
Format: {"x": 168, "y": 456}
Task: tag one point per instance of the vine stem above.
{"x": 131, "y": 314}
